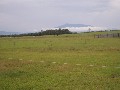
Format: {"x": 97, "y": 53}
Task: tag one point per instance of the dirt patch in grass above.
{"x": 9, "y": 65}
{"x": 63, "y": 68}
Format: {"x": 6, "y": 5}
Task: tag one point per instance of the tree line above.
{"x": 47, "y": 32}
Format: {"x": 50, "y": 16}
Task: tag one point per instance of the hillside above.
{"x": 73, "y": 25}
{"x": 8, "y": 33}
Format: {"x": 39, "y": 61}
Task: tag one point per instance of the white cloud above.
{"x": 30, "y": 14}
{"x": 115, "y": 3}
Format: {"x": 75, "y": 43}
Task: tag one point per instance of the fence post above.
{"x": 118, "y": 34}
{"x": 107, "y": 35}
{"x": 94, "y": 35}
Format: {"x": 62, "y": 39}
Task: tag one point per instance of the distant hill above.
{"x": 8, "y": 33}
{"x": 82, "y": 28}
{"x": 73, "y": 25}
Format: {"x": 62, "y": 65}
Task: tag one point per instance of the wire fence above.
{"x": 107, "y": 35}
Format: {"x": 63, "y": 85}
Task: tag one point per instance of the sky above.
{"x": 33, "y": 15}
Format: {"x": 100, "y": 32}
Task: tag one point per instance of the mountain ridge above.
{"x": 73, "y": 25}
{"x": 8, "y": 33}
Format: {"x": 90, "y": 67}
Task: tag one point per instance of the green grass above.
{"x": 27, "y": 63}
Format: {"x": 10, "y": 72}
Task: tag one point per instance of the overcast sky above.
{"x": 32, "y": 15}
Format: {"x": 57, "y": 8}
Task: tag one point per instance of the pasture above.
{"x": 64, "y": 62}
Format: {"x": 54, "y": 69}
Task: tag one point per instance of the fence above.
{"x": 107, "y": 35}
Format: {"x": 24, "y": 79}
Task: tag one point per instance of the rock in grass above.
{"x": 41, "y": 61}
{"x": 53, "y": 62}
{"x": 103, "y": 66}
{"x": 65, "y": 63}
{"x": 9, "y": 58}
{"x": 91, "y": 65}
{"x": 20, "y": 59}
{"x": 78, "y": 64}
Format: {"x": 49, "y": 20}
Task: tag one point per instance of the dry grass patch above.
{"x": 9, "y": 65}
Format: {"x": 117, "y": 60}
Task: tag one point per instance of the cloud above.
{"x": 110, "y": 16}
{"x": 28, "y": 15}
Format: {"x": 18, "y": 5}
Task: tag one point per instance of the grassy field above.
{"x": 65, "y": 62}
